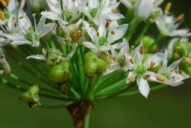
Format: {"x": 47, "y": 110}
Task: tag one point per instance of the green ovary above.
{"x": 31, "y": 36}
{"x": 141, "y": 69}
{"x": 102, "y": 41}
{"x": 93, "y": 12}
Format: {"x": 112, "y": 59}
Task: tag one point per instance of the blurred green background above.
{"x": 169, "y": 107}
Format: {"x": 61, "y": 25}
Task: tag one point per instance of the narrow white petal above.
{"x": 38, "y": 57}
{"x": 50, "y": 15}
{"x": 93, "y": 4}
{"x": 47, "y": 28}
{"x": 40, "y": 24}
{"x": 54, "y": 5}
{"x": 143, "y": 86}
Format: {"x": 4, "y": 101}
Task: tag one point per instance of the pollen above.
{"x": 107, "y": 24}
{"x": 21, "y": 17}
{"x": 113, "y": 32}
{"x": 180, "y": 17}
{"x": 132, "y": 61}
{"x": 114, "y": 10}
{"x": 2, "y": 16}
{"x": 147, "y": 75}
{"x": 106, "y": 57}
{"x": 4, "y": 2}
{"x": 152, "y": 64}
{"x": 131, "y": 78}
{"x": 142, "y": 50}
{"x": 76, "y": 34}
{"x": 160, "y": 78}
{"x": 98, "y": 34}
{"x": 167, "y": 7}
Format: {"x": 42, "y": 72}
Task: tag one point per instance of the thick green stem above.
{"x": 86, "y": 121}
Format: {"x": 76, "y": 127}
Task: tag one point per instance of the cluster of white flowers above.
{"x": 96, "y": 25}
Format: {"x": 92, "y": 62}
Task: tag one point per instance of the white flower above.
{"x": 65, "y": 13}
{"x": 30, "y": 35}
{"x": 98, "y": 11}
{"x": 103, "y": 39}
{"x": 169, "y": 74}
{"x": 140, "y": 70}
{"x": 168, "y": 25}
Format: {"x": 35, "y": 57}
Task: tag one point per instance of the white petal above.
{"x": 40, "y": 24}
{"x": 143, "y": 86}
{"x": 47, "y": 28}
{"x": 89, "y": 45}
{"x": 50, "y": 15}
{"x": 93, "y": 4}
{"x": 127, "y": 4}
{"x": 20, "y": 42}
{"x": 24, "y": 22}
{"x": 54, "y": 5}
{"x": 118, "y": 33}
{"x": 113, "y": 16}
{"x": 131, "y": 77}
{"x": 38, "y": 57}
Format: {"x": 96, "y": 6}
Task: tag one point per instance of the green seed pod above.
{"x": 186, "y": 68}
{"x": 65, "y": 64}
{"x": 59, "y": 75}
{"x": 181, "y": 49}
{"x": 31, "y": 95}
{"x": 90, "y": 69}
{"x": 90, "y": 56}
{"x": 101, "y": 66}
{"x": 147, "y": 42}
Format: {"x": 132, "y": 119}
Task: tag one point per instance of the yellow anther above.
{"x": 76, "y": 34}
{"x": 112, "y": 32}
{"x": 98, "y": 34}
{"x": 34, "y": 14}
{"x": 114, "y": 10}
{"x": 147, "y": 75}
{"x": 2, "y": 16}
{"x": 142, "y": 50}
{"x": 167, "y": 7}
{"x": 180, "y": 17}
{"x": 4, "y": 2}
{"x": 152, "y": 64}
{"x": 132, "y": 61}
{"x": 131, "y": 78}
{"x": 160, "y": 78}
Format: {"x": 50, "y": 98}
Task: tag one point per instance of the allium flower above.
{"x": 142, "y": 69}
{"x": 102, "y": 41}
{"x": 169, "y": 74}
{"x": 30, "y": 35}
{"x": 65, "y": 13}
{"x": 98, "y": 11}
{"x": 168, "y": 25}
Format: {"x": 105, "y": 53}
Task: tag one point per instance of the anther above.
{"x": 160, "y": 78}
{"x": 142, "y": 50}
{"x": 112, "y": 32}
{"x": 180, "y": 17}
{"x": 147, "y": 75}
{"x": 132, "y": 61}
{"x": 130, "y": 79}
{"x": 2, "y": 16}
{"x": 98, "y": 34}
{"x": 114, "y": 10}
{"x": 167, "y": 7}
{"x": 107, "y": 24}
{"x": 152, "y": 64}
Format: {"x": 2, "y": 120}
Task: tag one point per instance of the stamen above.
{"x": 132, "y": 61}
{"x": 167, "y": 7}
{"x": 160, "y": 78}
{"x": 130, "y": 79}
{"x": 180, "y": 17}
{"x": 21, "y": 17}
{"x": 2, "y": 16}
{"x": 152, "y": 64}
{"x": 142, "y": 50}
{"x": 6, "y": 24}
{"x": 4, "y": 2}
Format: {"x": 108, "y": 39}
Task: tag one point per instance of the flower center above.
{"x": 102, "y": 41}
{"x": 141, "y": 70}
{"x": 122, "y": 61}
{"x": 76, "y": 34}
{"x": 67, "y": 15}
{"x": 93, "y": 12}
{"x": 31, "y": 36}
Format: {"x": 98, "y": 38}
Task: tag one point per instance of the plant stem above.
{"x": 86, "y": 121}
{"x": 140, "y": 36}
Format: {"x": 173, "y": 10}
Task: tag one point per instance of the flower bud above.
{"x": 186, "y": 68}
{"x": 147, "y": 42}
{"x": 101, "y": 66}
{"x": 181, "y": 49}
{"x": 60, "y": 73}
{"x": 31, "y": 96}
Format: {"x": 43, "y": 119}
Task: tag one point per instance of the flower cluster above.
{"x": 88, "y": 48}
